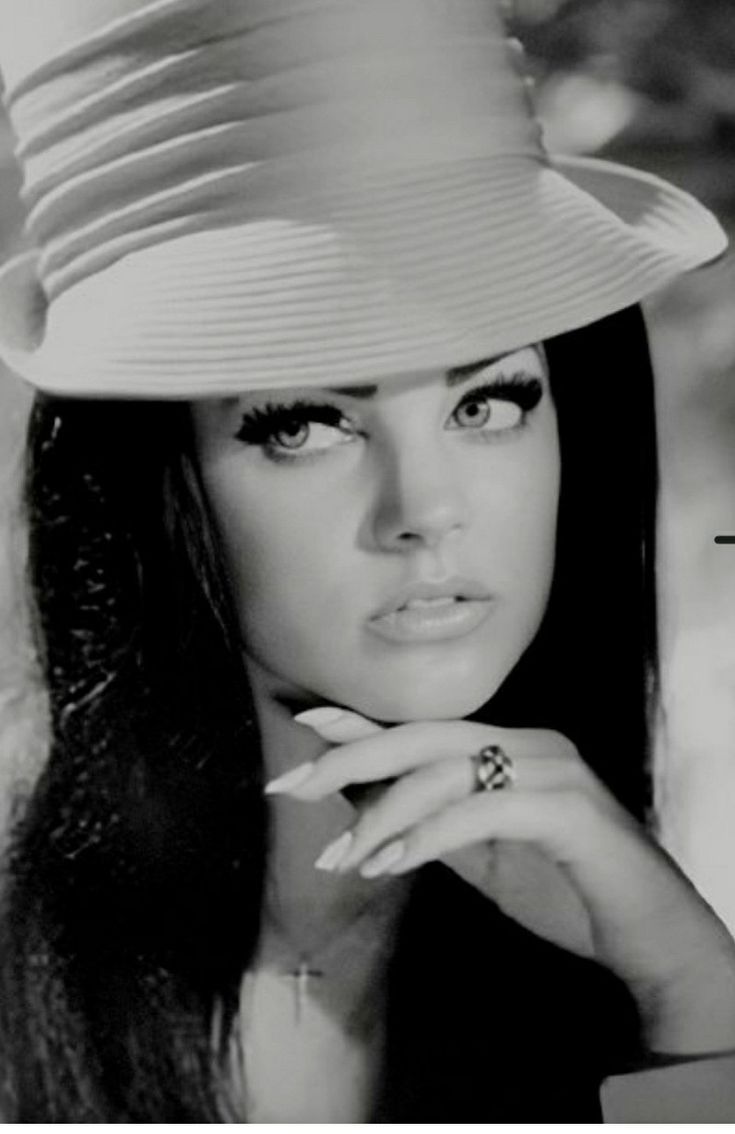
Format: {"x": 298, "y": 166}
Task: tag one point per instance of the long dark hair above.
{"x": 134, "y": 878}
{"x": 592, "y": 667}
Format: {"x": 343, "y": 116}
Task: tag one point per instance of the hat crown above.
{"x": 230, "y": 194}
{"x": 139, "y": 121}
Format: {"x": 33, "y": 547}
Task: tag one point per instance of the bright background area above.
{"x": 652, "y": 83}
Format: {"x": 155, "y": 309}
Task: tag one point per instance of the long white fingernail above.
{"x": 315, "y": 718}
{"x": 383, "y": 860}
{"x": 339, "y": 726}
{"x": 333, "y": 854}
{"x": 290, "y": 780}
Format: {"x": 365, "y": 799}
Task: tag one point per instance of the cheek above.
{"x": 532, "y": 537}
{"x": 283, "y": 561}
{"x": 519, "y": 508}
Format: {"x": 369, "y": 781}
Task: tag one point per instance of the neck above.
{"x": 305, "y": 907}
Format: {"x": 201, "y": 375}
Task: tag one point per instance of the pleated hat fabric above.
{"x": 239, "y": 194}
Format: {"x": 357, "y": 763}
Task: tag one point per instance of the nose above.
{"x": 421, "y": 501}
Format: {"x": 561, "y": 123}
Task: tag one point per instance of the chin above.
{"x": 432, "y": 701}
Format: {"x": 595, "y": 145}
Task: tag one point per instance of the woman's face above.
{"x": 392, "y": 546}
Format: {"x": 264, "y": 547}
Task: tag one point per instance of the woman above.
{"x": 369, "y": 599}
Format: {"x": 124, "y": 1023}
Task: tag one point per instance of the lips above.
{"x": 428, "y": 593}
{"x": 431, "y": 611}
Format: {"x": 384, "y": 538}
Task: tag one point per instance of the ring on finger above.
{"x": 494, "y": 769}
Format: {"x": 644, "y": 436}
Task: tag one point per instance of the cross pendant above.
{"x": 302, "y": 976}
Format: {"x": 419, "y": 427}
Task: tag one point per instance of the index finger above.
{"x": 391, "y": 752}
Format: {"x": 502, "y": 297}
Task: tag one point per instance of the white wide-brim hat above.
{"x": 238, "y": 194}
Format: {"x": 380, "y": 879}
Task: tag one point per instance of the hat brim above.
{"x": 460, "y": 263}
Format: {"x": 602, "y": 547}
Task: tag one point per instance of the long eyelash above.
{"x": 259, "y": 424}
{"x": 523, "y": 389}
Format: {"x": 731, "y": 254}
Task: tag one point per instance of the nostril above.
{"x": 419, "y": 508}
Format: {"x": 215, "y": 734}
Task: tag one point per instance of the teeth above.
{"x": 444, "y": 600}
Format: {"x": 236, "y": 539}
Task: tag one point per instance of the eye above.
{"x": 292, "y": 435}
{"x": 488, "y": 413}
{"x": 497, "y": 407}
{"x": 295, "y": 430}
{"x": 311, "y": 436}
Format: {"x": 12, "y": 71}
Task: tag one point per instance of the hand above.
{"x": 649, "y": 924}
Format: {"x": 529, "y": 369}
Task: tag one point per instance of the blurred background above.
{"x": 650, "y": 83}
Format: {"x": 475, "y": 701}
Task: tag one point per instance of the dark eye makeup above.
{"x": 263, "y": 425}
{"x": 522, "y": 389}
{"x": 285, "y": 426}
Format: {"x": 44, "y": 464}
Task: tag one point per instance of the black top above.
{"x": 489, "y": 1023}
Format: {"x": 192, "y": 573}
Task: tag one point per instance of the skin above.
{"x": 318, "y": 543}
{"x": 410, "y": 496}
{"x": 657, "y": 934}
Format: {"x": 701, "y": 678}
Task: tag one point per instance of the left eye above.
{"x": 307, "y": 435}
{"x": 487, "y": 413}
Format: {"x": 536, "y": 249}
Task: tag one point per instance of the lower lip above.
{"x": 432, "y": 623}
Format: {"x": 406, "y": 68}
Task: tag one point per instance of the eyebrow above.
{"x": 454, "y": 377}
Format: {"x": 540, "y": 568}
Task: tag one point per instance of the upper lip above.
{"x": 456, "y": 587}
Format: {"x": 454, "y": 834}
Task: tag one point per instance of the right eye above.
{"x": 299, "y": 429}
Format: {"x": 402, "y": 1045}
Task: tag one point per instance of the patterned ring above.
{"x": 494, "y": 769}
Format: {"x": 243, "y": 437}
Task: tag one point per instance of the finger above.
{"x": 338, "y": 726}
{"x": 542, "y": 758}
{"x": 521, "y": 816}
{"x": 390, "y": 753}
{"x": 419, "y": 794}
{"x": 407, "y": 802}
